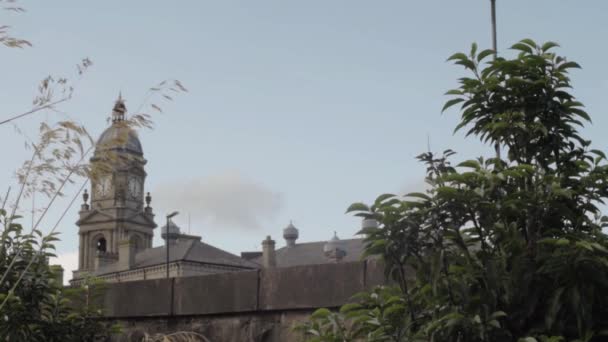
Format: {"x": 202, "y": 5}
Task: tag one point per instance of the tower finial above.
{"x": 85, "y": 198}
{"x": 119, "y": 110}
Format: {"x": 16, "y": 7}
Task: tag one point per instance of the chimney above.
{"x": 126, "y": 254}
{"x": 268, "y": 254}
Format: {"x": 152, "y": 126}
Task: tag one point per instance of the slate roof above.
{"x": 191, "y": 250}
{"x": 311, "y": 253}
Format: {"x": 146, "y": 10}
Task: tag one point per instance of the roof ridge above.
{"x": 189, "y": 249}
{"x": 320, "y": 241}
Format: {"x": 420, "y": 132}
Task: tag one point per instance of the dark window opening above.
{"x": 101, "y": 245}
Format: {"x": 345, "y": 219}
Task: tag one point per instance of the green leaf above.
{"x": 548, "y": 45}
{"x": 472, "y": 164}
{"x": 454, "y": 92}
{"x": 598, "y": 153}
{"x": 473, "y": 50}
{"x": 450, "y": 103}
{"x": 418, "y": 195}
{"x": 447, "y": 191}
{"x": 383, "y": 198}
{"x": 529, "y": 42}
{"x": 321, "y": 313}
{"x": 483, "y": 54}
{"x": 357, "y": 207}
{"x": 349, "y": 307}
{"x": 568, "y": 65}
{"x": 457, "y": 56}
{"x": 581, "y": 113}
{"x": 522, "y": 47}
{"x": 467, "y": 63}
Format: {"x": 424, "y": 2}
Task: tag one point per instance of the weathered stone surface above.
{"x": 259, "y": 306}
{"x": 216, "y": 293}
{"x": 138, "y": 298}
{"x": 310, "y": 286}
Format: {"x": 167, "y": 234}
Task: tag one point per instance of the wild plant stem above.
{"x": 46, "y": 209}
{"x": 24, "y": 181}
{"x": 6, "y": 197}
{"x": 32, "y": 111}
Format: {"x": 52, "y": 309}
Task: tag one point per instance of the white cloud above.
{"x": 227, "y": 200}
{"x": 69, "y": 262}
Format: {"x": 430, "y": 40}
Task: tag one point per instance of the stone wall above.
{"x": 260, "y": 305}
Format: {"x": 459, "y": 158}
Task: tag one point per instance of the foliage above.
{"x": 40, "y": 309}
{"x": 180, "y": 336}
{"x": 498, "y": 249}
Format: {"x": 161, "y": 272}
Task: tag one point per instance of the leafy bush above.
{"x": 497, "y": 249}
{"x": 34, "y": 306}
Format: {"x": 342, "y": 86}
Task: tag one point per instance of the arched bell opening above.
{"x": 101, "y": 245}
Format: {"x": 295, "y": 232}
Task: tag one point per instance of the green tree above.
{"x": 505, "y": 249}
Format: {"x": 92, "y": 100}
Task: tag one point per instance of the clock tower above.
{"x": 117, "y": 214}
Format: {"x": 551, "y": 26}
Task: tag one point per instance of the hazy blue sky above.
{"x": 296, "y": 108}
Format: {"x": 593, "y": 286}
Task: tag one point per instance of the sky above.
{"x": 295, "y": 109}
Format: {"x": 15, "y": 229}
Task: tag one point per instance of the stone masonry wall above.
{"x": 261, "y": 305}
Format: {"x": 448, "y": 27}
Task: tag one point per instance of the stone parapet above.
{"x": 310, "y": 286}
{"x": 279, "y": 289}
{"x": 216, "y": 293}
{"x": 260, "y": 305}
{"x": 142, "y": 298}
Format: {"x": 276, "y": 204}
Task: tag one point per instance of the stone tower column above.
{"x": 117, "y": 210}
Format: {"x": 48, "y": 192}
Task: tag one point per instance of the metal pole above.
{"x": 495, "y": 48}
{"x": 494, "y": 43}
{"x": 167, "y": 243}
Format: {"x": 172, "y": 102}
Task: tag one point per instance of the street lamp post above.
{"x": 173, "y": 214}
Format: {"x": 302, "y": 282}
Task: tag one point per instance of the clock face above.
{"x": 135, "y": 187}
{"x": 103, "y": 186}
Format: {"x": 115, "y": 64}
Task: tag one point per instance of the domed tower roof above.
{"x": 290, "y": 234}
{"x": 334, "y": 248}
{"x": 119, "y": 136}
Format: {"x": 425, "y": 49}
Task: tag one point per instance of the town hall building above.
{"x": 116, "y": 228}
